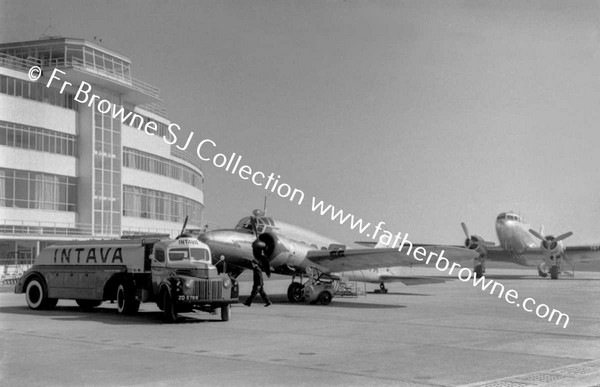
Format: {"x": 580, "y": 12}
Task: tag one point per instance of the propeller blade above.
{"x": 537, "y": 234}
{"x": 465, "y": 229}
{"x": 184, "y": 224}
{"x": 563, "y": 236}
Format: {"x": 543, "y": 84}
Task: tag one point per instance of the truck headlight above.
{"x": 226, "y": 283}
{"x": 189, "y": 284}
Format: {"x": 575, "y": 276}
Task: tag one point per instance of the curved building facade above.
{"x": 68, "y": 171}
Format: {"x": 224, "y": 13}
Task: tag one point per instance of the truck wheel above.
{"x": 170, "y": 313}
{"x": 88, "y": 304}
{"x": 325, "y": 298}
{"x": 37, "y": 295}
{"x": 226, "y": 312}
{"x": 126, "y": 302}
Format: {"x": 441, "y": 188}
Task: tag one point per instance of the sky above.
{"x": 421, "y": 114}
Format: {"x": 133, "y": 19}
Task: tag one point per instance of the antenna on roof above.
{"x": 50, "y": 32}
{"x": 265, "y": 205}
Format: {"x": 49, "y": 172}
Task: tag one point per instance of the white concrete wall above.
{"x": 28, "y": 112}
{"x": 33, "y": 217}
{"x": 30, "y": 160}
{"x": 140, "y": 140}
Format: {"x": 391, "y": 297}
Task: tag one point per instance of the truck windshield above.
{"x": 190, "y": 254}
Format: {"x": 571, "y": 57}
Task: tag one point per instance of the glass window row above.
{"x": 37, "y": 92}
{"x": 28, "y": 189}
{"x": 143, "y": 161}
{"x": 151, "y": 204}
{"x": 39, "y": 139}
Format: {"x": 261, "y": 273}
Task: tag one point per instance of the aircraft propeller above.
{"x": 475, "y": 242}
{"x": 549, "y": 242}
{"x": 181, "y": 234}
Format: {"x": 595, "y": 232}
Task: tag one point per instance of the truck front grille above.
{"x": 209, "y": 290}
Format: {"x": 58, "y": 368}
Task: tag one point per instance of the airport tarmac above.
{"x": 444, "y": 334}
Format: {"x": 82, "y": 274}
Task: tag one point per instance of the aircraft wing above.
{"x": 583, "y": 253}
{"x": 361, "y": 259}
{"x": 584, "y": 257}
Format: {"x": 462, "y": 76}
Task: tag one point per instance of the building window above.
{"x": 143, "y": 161}
{"x": 107, "y": 173}
{"x": 36, "y": 190}
{"x": 36, "y": 91}
{"x": 38, "y": 139}
{"x": 151, "y": 204}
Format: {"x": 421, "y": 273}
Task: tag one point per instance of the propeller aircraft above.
{"x": 288, "y": 249}
{"x": 522, "y": 245}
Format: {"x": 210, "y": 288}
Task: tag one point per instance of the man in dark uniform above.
{"x": 258, "y": 286}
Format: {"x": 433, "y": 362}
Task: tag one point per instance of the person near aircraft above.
{"x": 258, "y": 286}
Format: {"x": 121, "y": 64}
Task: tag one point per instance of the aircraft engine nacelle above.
{"x": 281, "y": 251}
{"x": 551, "y": 248}
{"x": 476, "y": 243}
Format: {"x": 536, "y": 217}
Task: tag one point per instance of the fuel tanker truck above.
{"x": 177, "y": 274}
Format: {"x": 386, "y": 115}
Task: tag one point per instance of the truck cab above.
{"x": 184, "y": 279}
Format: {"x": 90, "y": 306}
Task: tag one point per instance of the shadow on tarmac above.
{"x": 109, "y": 315}
{"x": 399, "y": 294}
{"x": 282, "y": 299}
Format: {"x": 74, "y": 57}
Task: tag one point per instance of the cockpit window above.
{"x": 245, "y": 224}
{"x": 189, "y": 254}
{"x": 501, "y": 216}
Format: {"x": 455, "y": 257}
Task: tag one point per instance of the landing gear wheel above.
{"x": 126, "y": 302}
{"x": 295, "y": 291}
{"x": 541, "y": 271}
{"x": 478, "y": 271}
{"x": 324, "y": 298}
{"x": 88, "y": 304}
{"x": 37, "y": 295}
{"x": 382, "y": 288}
{"x": 554, "y": 272}
{"x": 170, "y": 313}
{"x": 226, "y": 312}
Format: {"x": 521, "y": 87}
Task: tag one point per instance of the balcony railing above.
{"x": 12, "y": 62}
{"x": 63, "y": 229}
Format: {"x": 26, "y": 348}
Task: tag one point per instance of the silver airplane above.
{"x": 287, "y": 249}
{"x": 522, "y": 245}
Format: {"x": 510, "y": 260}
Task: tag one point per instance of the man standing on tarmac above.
{"x": 258, "y": 286}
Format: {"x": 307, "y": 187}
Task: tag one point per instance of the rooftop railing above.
{"x": 20, "y": 64}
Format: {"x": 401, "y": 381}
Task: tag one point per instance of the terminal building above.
{"x": 67, "y": 171}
